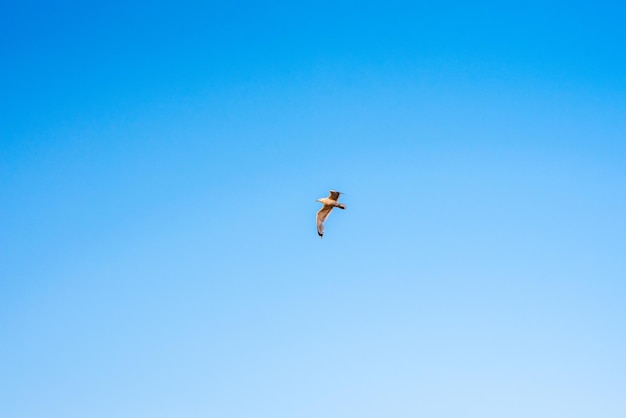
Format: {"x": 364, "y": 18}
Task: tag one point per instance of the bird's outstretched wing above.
{"x": 334, "y": 195}
{"x": 322, "y": 214}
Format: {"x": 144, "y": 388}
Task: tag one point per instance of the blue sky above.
{"x": 159, "y": 165}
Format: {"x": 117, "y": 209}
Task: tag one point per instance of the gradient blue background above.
{"x": 159, "y": 165}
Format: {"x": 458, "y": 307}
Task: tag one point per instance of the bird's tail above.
{"x": 341, "y": 206}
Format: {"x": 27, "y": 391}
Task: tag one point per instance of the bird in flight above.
{"x": 328, "y": 203}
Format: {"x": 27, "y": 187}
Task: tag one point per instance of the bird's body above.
{"x": 328, "y": 203}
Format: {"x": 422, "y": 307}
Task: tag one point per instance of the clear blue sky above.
{"x": 159, "y": 165}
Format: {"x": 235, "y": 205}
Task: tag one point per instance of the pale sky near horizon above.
{"x": 159, "y": 166}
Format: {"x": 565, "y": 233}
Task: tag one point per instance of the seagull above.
{"x": 329, "y": 203}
